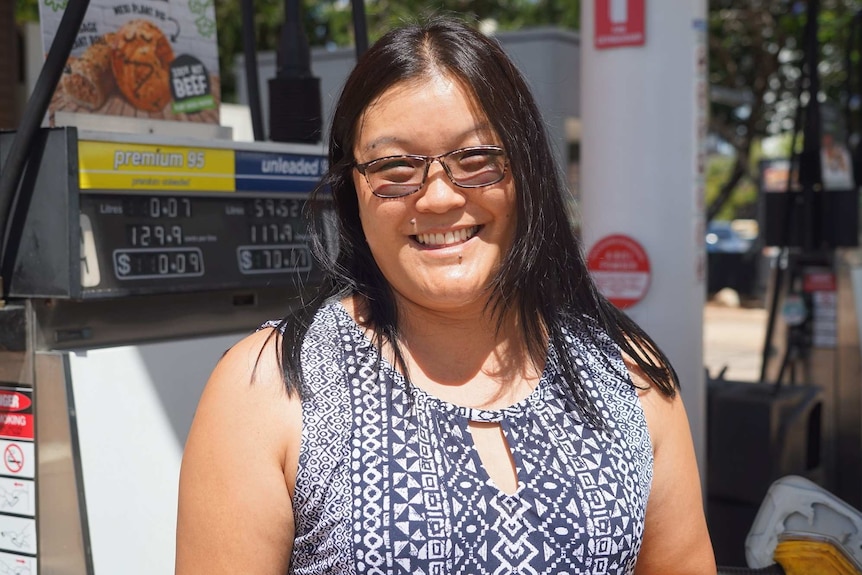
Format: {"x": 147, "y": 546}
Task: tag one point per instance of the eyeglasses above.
{"x": 399, "y": 176}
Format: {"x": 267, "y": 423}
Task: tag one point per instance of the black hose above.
{"x": 31, "y": 120}
{"x": 810, "y": 174}
{"x": 851, "y": 87}
{"x": 774, "y": 569}
{"x": 810, "y": 162}
{"x": 249, "y": 49}
{"x": 784, "y": 252}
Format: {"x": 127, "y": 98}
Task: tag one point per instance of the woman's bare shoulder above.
{"x": 239, "y": 465}
{"x": 676, "y": 539}
{"x": 252, "y": 360}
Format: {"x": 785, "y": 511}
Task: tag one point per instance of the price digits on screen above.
{"x": 146, "y": 235}
{"x": 158, "y": 263}
{"x": 274, "y": 259}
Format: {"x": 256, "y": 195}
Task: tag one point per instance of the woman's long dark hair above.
{"x": 543, "y": 280}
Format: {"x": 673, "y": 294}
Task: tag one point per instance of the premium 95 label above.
{"x": 126, "y": 166}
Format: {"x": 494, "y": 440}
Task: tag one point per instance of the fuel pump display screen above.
{"x": 143, "y": 243}
{"x": 112, "y": 216}
{"x": 161, "y": 218}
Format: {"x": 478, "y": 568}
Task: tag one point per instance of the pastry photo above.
{"x": 126, "y": 73}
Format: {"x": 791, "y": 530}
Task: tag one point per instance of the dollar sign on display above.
{"x": 245, "y": 260}
{"x": 124, "y": 265}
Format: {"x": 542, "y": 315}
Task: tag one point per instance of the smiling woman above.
{"x": 458, "y": 397}
{"x": 439, "y": 248}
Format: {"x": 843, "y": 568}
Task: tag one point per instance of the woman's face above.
{"x": 440, "y": 247}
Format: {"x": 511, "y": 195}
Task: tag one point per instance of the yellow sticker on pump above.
{"x": 127, "y": 166}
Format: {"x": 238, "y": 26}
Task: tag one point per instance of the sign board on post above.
{"x": 619, "y": 23}
{"x": 821, "y": 286}
{"x": 621, "y": 269}
{"x": 18, "y": 532}
{"x": 146, "y": 59}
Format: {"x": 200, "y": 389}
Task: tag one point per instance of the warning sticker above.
{"x": 16, "y": 413}
{"x": 17, "y": 564}
{"x": 17, "y": 496}
{"x": 18, "y": 459}
{"x": 17, "y": 534}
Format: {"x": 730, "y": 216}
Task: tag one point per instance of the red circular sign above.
{"x": 620, "y": 267}
{"x": 13, "y": 458}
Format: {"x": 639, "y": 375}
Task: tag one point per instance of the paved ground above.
{"x": 733, "y": 337}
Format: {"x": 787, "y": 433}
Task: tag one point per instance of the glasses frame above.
{"x": 363, "y": 168}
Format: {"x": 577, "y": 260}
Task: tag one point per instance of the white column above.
{"x": 643, "y": 114}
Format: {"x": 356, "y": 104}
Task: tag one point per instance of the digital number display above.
{"x": 149, "y": 243}
{"x": 144, "y": 263}
{"x": 146, "y": 235}
{"x": 274, "y": 207}
{"x": 274, "y": 233}
{"x": 157, "y": 207}
{"x": 274, "y": 259}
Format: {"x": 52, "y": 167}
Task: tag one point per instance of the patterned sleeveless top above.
{"x": 389, "y": 480}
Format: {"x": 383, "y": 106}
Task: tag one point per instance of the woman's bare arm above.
{"x": 676, "y": 540}
{"x": 238, "y": 469}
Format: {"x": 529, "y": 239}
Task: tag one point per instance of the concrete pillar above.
{"x": 643, "y": 116}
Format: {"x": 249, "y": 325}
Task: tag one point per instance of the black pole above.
{"x": 810, "y": 162}
{"x": 31, "y": 120}
{"x": 249, "y": 49}
{"x": 360, "y": 27}
{"x": 853, "y": 87}
{"x": 294, "y": 94}
{"x": 292, "y": 57}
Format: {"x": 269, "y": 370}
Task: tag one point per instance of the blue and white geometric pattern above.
{"x": 389, "y": 480}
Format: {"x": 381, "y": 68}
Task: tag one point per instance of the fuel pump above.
{"x": 812, "y": 335}
{"x": 803, "y": 415}
{"x": 133, "y": 261}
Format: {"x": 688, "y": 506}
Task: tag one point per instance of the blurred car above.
{"x": 734, "y": 258}
{"x": 727, "y": 237}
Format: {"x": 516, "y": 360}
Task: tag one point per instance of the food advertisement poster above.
{"x": 152, "y": 59}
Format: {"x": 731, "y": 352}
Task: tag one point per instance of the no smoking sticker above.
{"x": 18, "y": 459}
{"x": 13, "y": 458}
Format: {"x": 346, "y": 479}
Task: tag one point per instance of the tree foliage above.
{"x": 329, "y": 23}
{"x": 27, "y": 10}
{"x": 756, "y": 72}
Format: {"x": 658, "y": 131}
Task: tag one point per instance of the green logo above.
{"x": 206, "y": 26}
{"x": 56, "y": 5}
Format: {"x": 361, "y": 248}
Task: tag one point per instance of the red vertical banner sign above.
{"x": 619, "y": 23}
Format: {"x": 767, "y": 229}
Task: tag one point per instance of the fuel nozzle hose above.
{"x": 775, "y": 569}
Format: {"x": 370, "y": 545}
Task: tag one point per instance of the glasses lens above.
{"x": 473, "y": 168}
{"x": 396, "y": 176}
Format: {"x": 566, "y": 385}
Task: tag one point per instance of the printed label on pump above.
{"x": 127, "y": 166}
{"x": 17, "y": 496}
{"x": 17, "y": 564}
{"x": 621, "y": 269}
{"x": 16, "y": 413}
{"x": 18, "y": 534}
